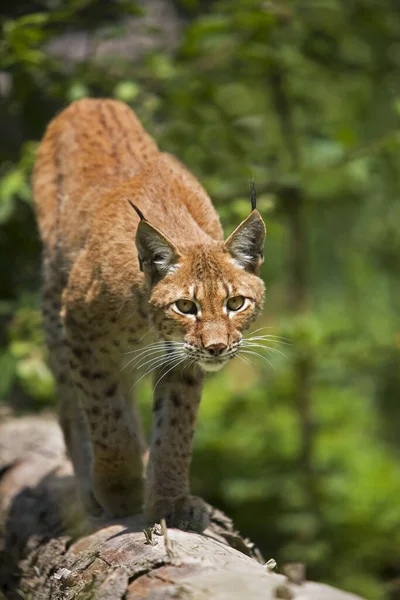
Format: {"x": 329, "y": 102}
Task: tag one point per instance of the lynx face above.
{"x": 204, "y": 297}
{"x": 206, "y": 304}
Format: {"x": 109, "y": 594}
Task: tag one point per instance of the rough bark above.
{"x": 49, "y": 551}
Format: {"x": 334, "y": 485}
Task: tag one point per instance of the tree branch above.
{"x": 49, "y": 552}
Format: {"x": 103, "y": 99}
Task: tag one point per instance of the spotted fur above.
{"x": 111, "y": 280}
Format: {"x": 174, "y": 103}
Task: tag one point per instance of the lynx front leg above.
{"x": 117, "y": 468}
{"x": 176, "y": 403}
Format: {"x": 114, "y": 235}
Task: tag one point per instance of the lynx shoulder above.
{"x": 127, "y": 293}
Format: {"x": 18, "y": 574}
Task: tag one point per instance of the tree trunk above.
{"x": 48, "y": 550}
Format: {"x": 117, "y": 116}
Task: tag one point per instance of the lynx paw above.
{"x": 188, "y": 513}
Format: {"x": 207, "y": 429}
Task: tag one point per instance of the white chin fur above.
{"x": 212, "y": 367}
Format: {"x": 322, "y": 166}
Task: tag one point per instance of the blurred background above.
{"x": 303, "y": 454}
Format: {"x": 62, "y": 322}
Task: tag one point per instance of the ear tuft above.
{"x": 246, "y": 243}
{"x": 253, "y": 195}
{"x": 137, "y": 211}
{"x": 158, "y": 256}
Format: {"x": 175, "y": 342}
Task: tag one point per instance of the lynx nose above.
{"x": 216, "y": 349}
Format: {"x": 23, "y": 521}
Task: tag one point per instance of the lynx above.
{"x": 136, "y": 279}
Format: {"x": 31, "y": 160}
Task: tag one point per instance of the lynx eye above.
{"x": 235, "y": 303}
{"x": 187, "y": 307}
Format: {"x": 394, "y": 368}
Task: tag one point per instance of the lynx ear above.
{"x": 246, "y": 243}
{"x": 158, "y": 256}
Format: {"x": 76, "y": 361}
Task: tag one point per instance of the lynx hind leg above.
{"x": 71, "y": 417}
{"x": 76, "y": 437}
{"x": 115, "y": 439}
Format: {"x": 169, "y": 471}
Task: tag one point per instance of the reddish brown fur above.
{"x": 97, "y": 304}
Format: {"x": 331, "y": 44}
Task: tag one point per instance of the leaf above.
{"x": 126, "y": 91}
{"x": 77, "y": 90}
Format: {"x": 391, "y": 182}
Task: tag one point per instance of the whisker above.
{"x": 261, "y": 329}
{"x": 189, "y": 364}
{"x": 152, "y": 360}
{"x": 142, "y": 356}
{"x": 145, "y": 351}
{"x": 152, "y": 368}
{"x": 151, "y": 349}
{"x": 154, "y": 345}
{"x": 148, "y": 347}
{"x": 147, "y": 333}
{"x": 259, "y": 356}
{"x": 267, "y": 348}
{"x": 272, "y": 339}
{"x": 146, "y": 354}
{"x": 268, "y": 336}
{"x": 170, "y": 369}
{"x": 158, "y": 359}
{"x": 244, "y": 360}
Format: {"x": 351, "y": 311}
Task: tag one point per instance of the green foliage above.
{"x": 304, "y": 97}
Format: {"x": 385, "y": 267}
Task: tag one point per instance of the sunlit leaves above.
{"x": 21, "y": 40}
